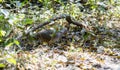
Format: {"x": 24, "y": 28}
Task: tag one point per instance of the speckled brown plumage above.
{"x": 49, "y": 36}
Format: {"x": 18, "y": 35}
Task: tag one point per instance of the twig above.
{"x": 67, "y": 17}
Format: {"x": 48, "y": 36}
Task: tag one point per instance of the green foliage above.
{"x": 12, "y": 24}
{"x": 27, "y": 21}
{"x": 7, "y": 24}
{"x": 2, "y": 33}
{"x": 1, "y": 1}
{"x": 46, "y": 3}
{"x": 2, "y": 65}
{"x": 11, "y": 60}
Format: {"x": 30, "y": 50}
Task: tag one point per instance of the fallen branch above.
{"x": 67, "y": 17}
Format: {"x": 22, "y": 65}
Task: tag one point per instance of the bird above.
{"x": 49, "y": 36}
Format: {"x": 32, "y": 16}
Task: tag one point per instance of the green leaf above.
{"x": 11, "y": 60}
{"x": 27, "y": 21}
{"x": 2, "y": 33}
{"x": 10, "y": 44}
{"x": 40, "y": 0}
{"x": 1, "y": 17}
{"x": 16, "y": 42}
{"x": 94, "y": 7}
{"x": 111, "y": 1}
{"x": 2, "y": 65}
{"x": 21, "y": 16}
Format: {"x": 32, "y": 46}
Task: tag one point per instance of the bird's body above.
{"x": 45, "y": 35}
{"x": 50, "y": 36}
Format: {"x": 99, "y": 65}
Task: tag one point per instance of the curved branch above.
{"x": 66, "y": 16}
